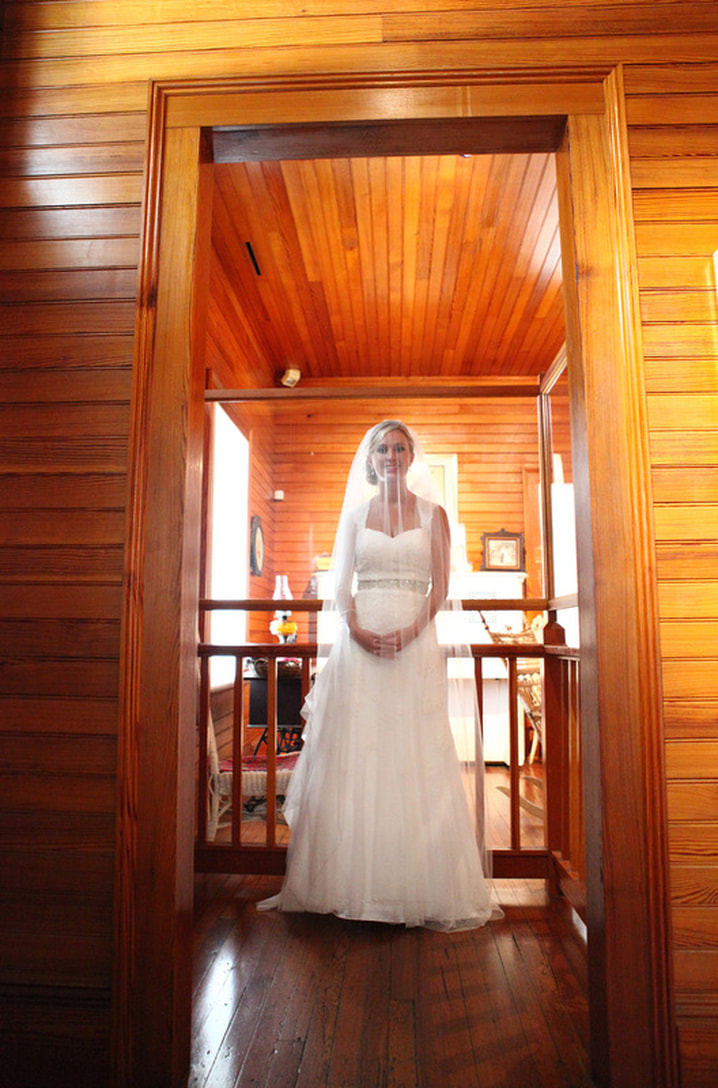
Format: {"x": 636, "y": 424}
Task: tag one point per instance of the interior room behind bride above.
{"x": 385, "y": 826}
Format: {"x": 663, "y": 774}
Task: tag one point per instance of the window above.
{"x": 228, "y": 537}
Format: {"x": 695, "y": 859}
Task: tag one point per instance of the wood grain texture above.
{"x": 385, "y": 258}
{"x": 673, "y": 174}
{"x": 588, "y": 198}
{"x": 494, "y": 442}
{"x": 164, "y": 561}
{"x": 76, "y": 242}
{"x": 324, "y": 1003}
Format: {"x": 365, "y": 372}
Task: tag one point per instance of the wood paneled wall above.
{"x": 673, "y": 139}
{"x": 73, "y": 98}
{"x": 306, "y": 452}
{"x": 494, "y": 442}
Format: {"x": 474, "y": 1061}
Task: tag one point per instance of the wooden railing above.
{"x": 564, "y": 774}
{"x": 559, "y": 859}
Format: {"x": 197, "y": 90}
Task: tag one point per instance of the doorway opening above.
{"x": 398, "y": 254}
{"x": 163, "y": 587}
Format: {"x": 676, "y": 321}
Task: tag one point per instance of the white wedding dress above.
{"x": 380, "y": 825}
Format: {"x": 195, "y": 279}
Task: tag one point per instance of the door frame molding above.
{"x": 632, "y": 1021}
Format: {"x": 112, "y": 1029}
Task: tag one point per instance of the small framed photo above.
{"x": 503, "y": 551}
{"x": 256, "y": 545}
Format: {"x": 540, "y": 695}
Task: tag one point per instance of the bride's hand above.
{"x": 387, "y": 645}
{"x": 368, "y": 640}
{"x": 392, "y": 643}
{"x": 401, "y": 638}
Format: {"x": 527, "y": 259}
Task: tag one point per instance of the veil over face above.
{"x": 390, "y": 447}
{"x": 363, "y": 482}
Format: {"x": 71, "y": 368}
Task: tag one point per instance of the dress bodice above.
{"x": 406, "y": 556}
{"x": 393, "y": 575}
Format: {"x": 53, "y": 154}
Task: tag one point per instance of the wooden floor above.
{"x": 316, "y": 1002}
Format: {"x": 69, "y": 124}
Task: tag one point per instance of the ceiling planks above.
{"x": 386, "y": 266}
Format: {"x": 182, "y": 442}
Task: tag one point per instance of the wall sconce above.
{"x": 291, "y": 376}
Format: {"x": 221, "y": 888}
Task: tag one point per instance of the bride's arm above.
{"x": 345, "y": 552}
{"x": 345, "y": 562}
{"x": 440, "y": 560}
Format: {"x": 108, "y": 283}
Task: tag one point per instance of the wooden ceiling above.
{"x": 385, "y": 266}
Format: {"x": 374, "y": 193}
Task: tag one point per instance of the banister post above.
{"x": 554, "y": 726}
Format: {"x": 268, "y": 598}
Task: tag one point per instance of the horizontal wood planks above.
{"x": 63, "y": 457}
{"x": 306, "y": 451}
{"x": 675, "y": 178}
{"x": 494, "y": 441}
{"x": 73, "y": 104}
{"x": 70, "y": 222}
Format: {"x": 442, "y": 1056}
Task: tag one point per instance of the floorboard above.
{"x": 308, "y": 1001}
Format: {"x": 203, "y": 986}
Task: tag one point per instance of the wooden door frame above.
{"x": 629, "y": 955}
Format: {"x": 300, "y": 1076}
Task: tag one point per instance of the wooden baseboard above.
{"x": 260, "y": 860}
{"x": 516, "y": 864}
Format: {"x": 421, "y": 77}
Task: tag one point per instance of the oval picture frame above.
{"x": 256, "y": 545}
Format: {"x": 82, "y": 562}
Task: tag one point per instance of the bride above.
{"x": 381, "y": 825}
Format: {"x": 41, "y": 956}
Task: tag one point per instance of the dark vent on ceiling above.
{"x": 253, "y": 259}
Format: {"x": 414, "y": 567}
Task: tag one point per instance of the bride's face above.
{"x": 392, "y": 457}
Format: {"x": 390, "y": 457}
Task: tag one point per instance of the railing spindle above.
{"x": 561, "y": 754}
{"x": 203, "y": 778}
{"x": 272, "y": 751}
{"x": 237, "y": 749}
{"x": 576, "y": 820}
{"x": 479, "y": 786}
{"x": 514, "y": 782}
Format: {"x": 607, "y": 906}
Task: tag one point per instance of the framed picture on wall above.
{"x": 256, "y": 545}
{"x": 503, "y": 551}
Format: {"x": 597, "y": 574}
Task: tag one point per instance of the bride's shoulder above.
{"x": 358, "y": 514}
{"x": 435, "y": 519}
{"x": 428, "y": 509}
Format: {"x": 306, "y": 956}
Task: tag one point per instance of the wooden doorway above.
{"x": 627, "y": 891}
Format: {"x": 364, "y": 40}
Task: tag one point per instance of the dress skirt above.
{"x": 381, "y": 828}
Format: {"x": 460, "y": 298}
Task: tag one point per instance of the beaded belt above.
{"x": 393, "y": 583}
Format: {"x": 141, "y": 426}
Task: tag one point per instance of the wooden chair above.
{"x": 219, "y": 798}
{"x": 529, "y": 681}
{"x": 254, "y": 782}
